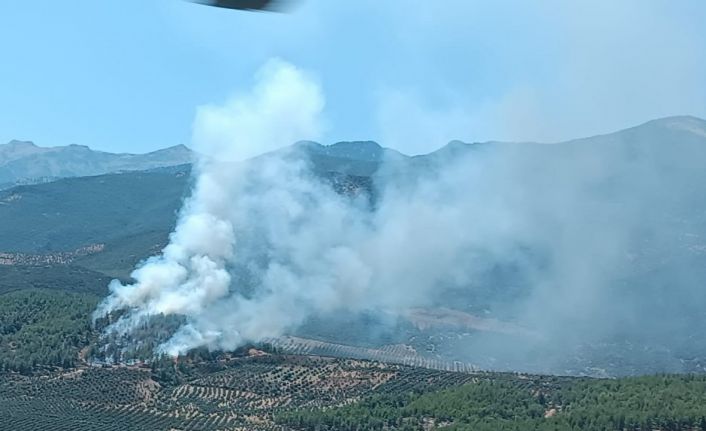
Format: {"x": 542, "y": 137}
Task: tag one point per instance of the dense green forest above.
{"x": 637, "y": 403}
{"x": 41, "y": 327}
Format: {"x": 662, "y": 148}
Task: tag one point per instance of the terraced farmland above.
{"x": 394, "y": 354}
{"x": 309, "y": 393}
{"x": 236, "y": 394}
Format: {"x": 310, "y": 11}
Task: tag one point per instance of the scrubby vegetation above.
{"x": 59, "y": 278}
{"x": 75, "y": 212}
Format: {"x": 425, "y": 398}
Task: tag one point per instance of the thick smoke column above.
{"x": 262, "y": 245}
{"x": 190, "y": 277}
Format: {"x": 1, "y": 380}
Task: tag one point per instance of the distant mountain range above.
{"x": 24, "y": 162}
{"x": 110, "y": 197}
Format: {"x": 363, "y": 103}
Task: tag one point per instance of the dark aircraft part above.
{"x": 254, "y": 5}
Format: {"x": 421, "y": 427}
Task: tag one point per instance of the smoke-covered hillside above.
{"x": 579, "y": 257}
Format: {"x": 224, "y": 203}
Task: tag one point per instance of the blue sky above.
{"x": 128, "y": 75}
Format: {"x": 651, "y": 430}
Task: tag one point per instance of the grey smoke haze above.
{"x": 596, "y": 234}
{"x": 544, "y": 71}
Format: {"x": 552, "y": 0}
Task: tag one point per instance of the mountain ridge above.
{"x": 24, "y": 162}
{"x": 358, "y": 160}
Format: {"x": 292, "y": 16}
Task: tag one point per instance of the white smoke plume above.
{"x": 190, "y": 276}
{"x": 261, "y": 246}
{"x": 571, "y": 242}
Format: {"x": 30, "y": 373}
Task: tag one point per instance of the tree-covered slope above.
{"x": 75, "y": 212}
{"x": 521, "y": 403}
{"x": 44, "y": 328}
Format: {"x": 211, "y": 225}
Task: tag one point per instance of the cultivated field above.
{"x": 234, "y": 394}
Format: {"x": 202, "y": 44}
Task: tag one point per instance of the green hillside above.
{"x": 521, "y": 403}
{"x": 64, "y": 278}
{"x": 44, "y": 328}
{"x": 75, "y": 212}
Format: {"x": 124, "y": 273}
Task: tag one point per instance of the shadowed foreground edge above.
{"x": 251, "y": 5}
